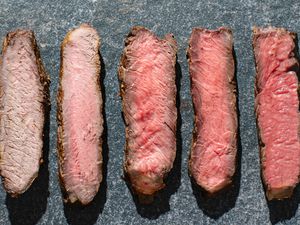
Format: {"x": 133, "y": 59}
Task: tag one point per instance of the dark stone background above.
{"x": 179, "y": 203}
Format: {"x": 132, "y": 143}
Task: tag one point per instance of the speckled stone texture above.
{"x": 180, "y": 203}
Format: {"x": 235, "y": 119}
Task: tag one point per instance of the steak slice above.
{"x": 24, "y": 101}
{"x": 148, "y": 90}
{"x": 277, "y": 109}
{"x": 80, "y": 120}
{"x": 213, "y": 154}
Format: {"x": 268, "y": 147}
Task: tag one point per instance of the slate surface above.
{"x": 179, "y": 203}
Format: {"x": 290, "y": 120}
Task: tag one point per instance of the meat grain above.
{"x": 24, "y": 101}
{"x": 80, "y": 121}
{"x": 148, "y": 90}
{"x": 277, "y": 109}
{"x": 213, "y": 154}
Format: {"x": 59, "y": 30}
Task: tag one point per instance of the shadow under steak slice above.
{"x": 24, "y": 101}
{"x": 211, "y": 64}
{"x": 277, "y": 109}
{"x": 80, "y": 121}
{"x": 148, "y": 90}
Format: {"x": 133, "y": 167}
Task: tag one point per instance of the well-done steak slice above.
{"x": 148, "y": 90}
{"x": 214, "y": 148}
{"x": 80, "y": 121}
{"x": 277, "y": 109}
{"x": 24, "y": 101}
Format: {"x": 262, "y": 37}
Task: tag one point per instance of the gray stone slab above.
{"x": 179, "y": 203}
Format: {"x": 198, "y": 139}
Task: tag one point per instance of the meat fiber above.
{"x": 24, "y": 101}
{"x": 80, "y": 121}
{"x": 148, "y": 90}
{"x": 277, "y": 109}
{"x": 214, "y": 147}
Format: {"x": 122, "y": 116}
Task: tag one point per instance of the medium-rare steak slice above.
{"x": 80, "y": 121}
{"x": 148, "y": 90}
{"x": 24, "y": 101}
{"x": 214, "y": 147}
{"x": 277, "y": 109}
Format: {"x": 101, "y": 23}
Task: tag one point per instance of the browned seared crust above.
{"x": 44, "y": 80}
{"x": 59, "y": 117}
{"x": 144, "y": 198}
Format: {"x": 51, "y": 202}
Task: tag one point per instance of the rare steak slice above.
{"x": 213, "y": 154}
{"x": 148, "y": 90}
{"x": 277, "y": 109}
{"x": 24, "y": 101}
{"x": 80, "y": 121}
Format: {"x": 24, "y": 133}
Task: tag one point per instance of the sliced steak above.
{"x": 277, "y": 109}
{"x": 80, "y": 121}
{"x": 214, "y": 148}
{"x": 148, "y": 90}
{"x": 24, "y": 101}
